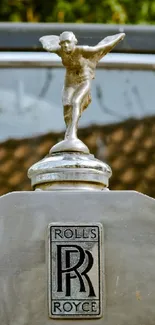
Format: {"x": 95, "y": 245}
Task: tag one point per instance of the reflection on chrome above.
{"x": 112, "y": 61}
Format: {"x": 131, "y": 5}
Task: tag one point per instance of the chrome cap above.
{"x": 69, "y": 170}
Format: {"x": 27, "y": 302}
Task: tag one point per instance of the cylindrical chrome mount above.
{"x": 69, "y": 170}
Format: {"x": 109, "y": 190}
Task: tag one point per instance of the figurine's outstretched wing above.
{"x": 107, "y": 44}
{"x": 112, "y": 39}
{"x": 50, "y": 43}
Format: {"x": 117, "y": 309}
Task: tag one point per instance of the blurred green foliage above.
{"x": 79, "y": 11}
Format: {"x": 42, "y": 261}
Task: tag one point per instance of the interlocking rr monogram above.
{"x": 73, "y": 271}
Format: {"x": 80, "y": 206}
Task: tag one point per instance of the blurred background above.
{"x": 79, "y": 11}
{"x": 118, "y": 126}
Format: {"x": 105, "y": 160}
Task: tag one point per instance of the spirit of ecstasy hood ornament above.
{"x": 69, "y": 164}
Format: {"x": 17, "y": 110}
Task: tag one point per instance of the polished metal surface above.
{"x": 70, "y": 170}
{"x": 80, "y": 63}
{"x": 75, "y": 270}
{"x": 70, "y": 144}
{"x": 128, "y": 220}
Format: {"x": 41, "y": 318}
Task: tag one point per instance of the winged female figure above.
{"x": 80, "y": 63}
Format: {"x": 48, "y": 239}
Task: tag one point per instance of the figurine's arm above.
{"x": 51, "y": 43}
{"x": 106, "y": 45}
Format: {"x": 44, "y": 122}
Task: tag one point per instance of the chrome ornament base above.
{"x": 73, "y": 144}
{"x": 69, "y": 170}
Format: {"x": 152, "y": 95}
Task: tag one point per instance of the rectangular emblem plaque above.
{"x": 75, "y": 270}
